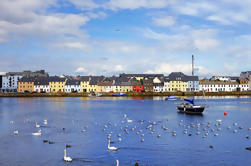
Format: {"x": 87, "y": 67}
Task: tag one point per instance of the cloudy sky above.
{"x": 133, "y": 36}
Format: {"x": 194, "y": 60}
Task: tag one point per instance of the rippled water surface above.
{"x": 102, "y": 116}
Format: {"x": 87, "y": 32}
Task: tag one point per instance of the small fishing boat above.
{"x": 119, "y": 94}
{"x": 172, "y": 97}
{"x": 190, "y": 108}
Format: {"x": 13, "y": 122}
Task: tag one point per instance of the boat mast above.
{"x": 193, "y": 71}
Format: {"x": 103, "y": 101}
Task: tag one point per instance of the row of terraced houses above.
{"x": 41, "y": 82}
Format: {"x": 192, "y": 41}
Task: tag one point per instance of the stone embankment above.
{"x": 127, "y": 94}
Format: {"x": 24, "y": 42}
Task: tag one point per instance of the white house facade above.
{"x": 42, "y": 88}
{"x": 158, "y": 87}
{"x": 73, "y": 86}
{"x": 211, "y": 86}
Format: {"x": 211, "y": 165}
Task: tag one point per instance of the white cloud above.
{"x": 119, "y": 68}
{"x": 81, "y": 70}
{"x": 73, "y": 45}
{"x": 132, "y": 4}
{"x": 187, "y": 40}
{"x": 167, "y": 68}
{"x": 164, "y": 21}
{"x": 84, "y": 4}
{"x": 2, "y": 73}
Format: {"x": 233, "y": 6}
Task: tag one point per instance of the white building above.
{"x": 244, "y": 87}
{"x": 72, "y": 86}
{"x": 216, "y": 86}
{"x": 9, "y": 82}
{"x": 166, "y": 85}
{"x": 41, "y": 85}
{"x": 158, "y": 87}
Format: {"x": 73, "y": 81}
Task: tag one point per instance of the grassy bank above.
{"x": 127, "y": 94}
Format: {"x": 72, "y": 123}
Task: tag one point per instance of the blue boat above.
{"x": 120, "y": 94}
{"x": 172, "y": 97}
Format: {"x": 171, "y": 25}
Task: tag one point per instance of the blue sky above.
{"x": 108, "y": 37}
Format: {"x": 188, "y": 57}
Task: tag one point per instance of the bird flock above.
{"x": 115, "y": 133}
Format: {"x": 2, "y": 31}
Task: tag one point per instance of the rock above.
{"x": 51, "y": 142}
{"x": 189, "y": 134}
{"x": 248, "y": 148}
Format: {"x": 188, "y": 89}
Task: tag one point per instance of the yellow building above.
{"x": 57, "y": 84}
{"x": 84, "y": 83}
{"x": 178, "y": 82}
{"x": 25, "y": 85}
{"x": 90, "y": 84}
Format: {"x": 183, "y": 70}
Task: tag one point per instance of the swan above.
{"x": 113, "y": 148}
{"x": 117, "y": 162}
{"x": 68, "y": 159}
{"x": 37, "y": 134}
{"x": 15, "y": 132}
{"x": 45, "y": 122}
{"x": 37, "y": 125}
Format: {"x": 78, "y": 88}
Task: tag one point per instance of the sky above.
{"x": 108, "y": 37}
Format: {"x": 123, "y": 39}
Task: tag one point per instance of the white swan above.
{"x": 68, "y": 159}
{"x": 37, "y": 134}
{"x": 117, "y": 162}
{"x": 15, "y": 132}
{"x": 37, "y": 125}
{"x": 113, "y": 148}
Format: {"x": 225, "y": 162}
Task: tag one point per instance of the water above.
{"x": 92, "y": 114}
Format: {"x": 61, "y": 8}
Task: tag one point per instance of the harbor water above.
{"x": 148, "y": 131}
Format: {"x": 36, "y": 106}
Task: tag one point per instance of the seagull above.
{"x": 37, "y": 134}
{"x": 113, "y": 148}
{"x": 15, "y": 132}
{"x": 37, "y": 125}
{"x": 45, "y": 122}
{"x": 68, "y": 159}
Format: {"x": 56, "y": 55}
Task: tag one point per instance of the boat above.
{"x": 172, "y": 97}
{"x": 94, "y": 95}
{"x": 190, "y": 108}
{"x": 98, "y": 94}
{"x": 119, "y": 94}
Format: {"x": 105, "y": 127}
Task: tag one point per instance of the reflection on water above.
{"x": 145, "y": 130}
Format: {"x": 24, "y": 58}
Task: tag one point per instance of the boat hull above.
{"x": 117, "y": 95}
{"x": 191, "y": 110}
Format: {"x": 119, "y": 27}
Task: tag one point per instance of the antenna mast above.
{"x": 192, "y": 65}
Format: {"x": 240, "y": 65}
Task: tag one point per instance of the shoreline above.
{"x": 134, "y": 94}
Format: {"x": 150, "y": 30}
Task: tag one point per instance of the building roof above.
{"x": 27, "y": 79}
{"x": 179, "y": 76}
{"x": 141, "y": 75}
{"x": 72, "y": 82}
{"x": 217, "y": 83}
{"x": 42, "y": 81}
{"x": 94, "y": 80}
{"x": 84, "y": 78}
{"x": 56, "y": 79}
